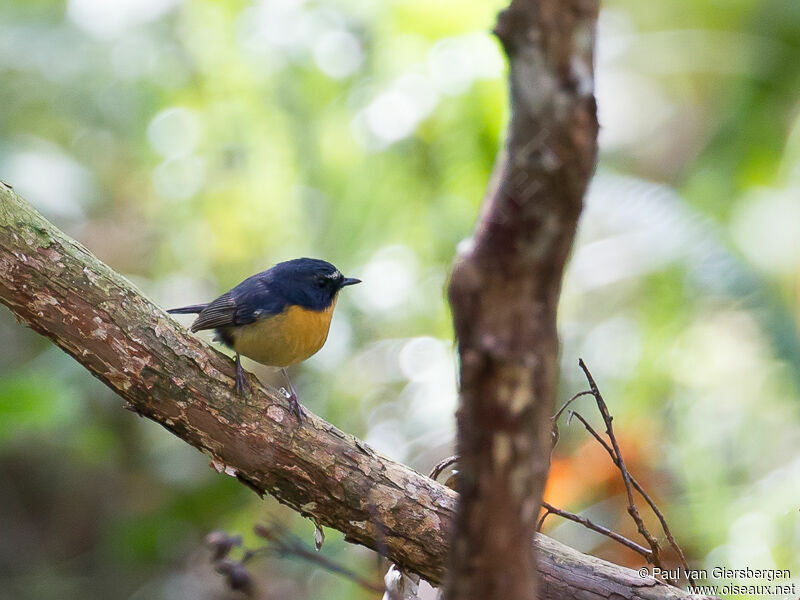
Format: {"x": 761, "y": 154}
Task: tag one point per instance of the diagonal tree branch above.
{"x": 57, "y": 287}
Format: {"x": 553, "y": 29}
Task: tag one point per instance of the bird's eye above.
{"x": 322, "y": 282}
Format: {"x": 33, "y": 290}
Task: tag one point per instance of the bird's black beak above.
{"x": 349, "y": 281}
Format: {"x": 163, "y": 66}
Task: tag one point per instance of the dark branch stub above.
{"x": 439, "y": 468}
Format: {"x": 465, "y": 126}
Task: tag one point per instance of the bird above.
{"x": 278, "y": 317}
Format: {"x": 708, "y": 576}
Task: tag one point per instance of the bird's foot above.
{"x": 242, "y": 385}
{"x": 294, "y": 404}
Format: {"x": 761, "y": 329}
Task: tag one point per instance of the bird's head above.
{"x": 309, "y": 282}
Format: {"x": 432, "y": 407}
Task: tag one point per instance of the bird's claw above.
{"x": 294, "y": 404}
{"x": 242, "y": 385}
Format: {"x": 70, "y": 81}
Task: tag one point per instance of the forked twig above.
{"x": 564, "y": 407}
{"x": 652, "y": 555}
{"x": 638, "y": 487}
{"x": 550, "y": 509}
{"x": 633, "y": 510}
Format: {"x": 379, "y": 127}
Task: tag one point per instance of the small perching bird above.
{"x": 278, "y": 318}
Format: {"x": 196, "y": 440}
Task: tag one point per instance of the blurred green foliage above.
{"x": 192, "y": 143}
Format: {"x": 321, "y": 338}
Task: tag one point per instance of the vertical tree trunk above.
{"x": 504, "y": 293}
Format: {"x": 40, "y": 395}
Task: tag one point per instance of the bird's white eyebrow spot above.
{"x": 335, "y": 275}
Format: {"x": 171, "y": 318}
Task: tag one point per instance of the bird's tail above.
{"x": 187, "y": 310}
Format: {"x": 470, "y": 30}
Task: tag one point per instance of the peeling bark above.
{"x": 504, "y": 294}
{"x": 56, "y": 286}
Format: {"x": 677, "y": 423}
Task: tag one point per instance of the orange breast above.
{"x": 284, "y": 339}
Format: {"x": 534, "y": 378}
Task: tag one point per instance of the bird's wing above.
{"x": 250, "y": 300}
{"x": 219, "y": 313}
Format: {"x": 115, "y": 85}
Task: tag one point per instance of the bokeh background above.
{"x": 192, "y": 143}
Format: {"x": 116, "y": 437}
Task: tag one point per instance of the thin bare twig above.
{"x": 595, "y": 435}
{"x": 550, "y": 509}
{"x": 556, "y": 433}
{"x": 633, "y": 510}
{"x": 286, "y": 544}
{"x": 570, "y": 401}
{"x": 653, "y": 506}
{"x": 653, "y": 555}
